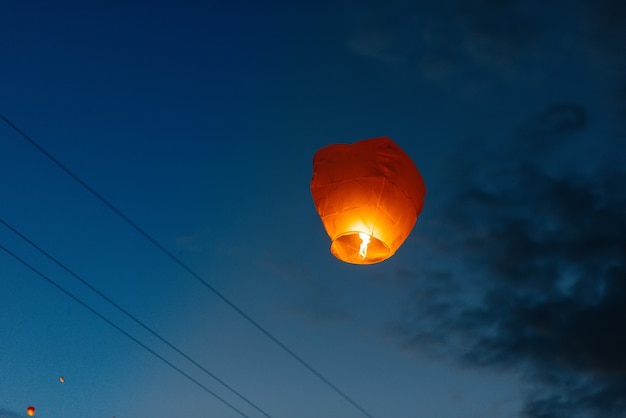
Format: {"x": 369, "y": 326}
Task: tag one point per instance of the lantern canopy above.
{"x": 368, "y": 195}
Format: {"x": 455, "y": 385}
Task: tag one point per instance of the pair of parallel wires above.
{"x": 181, "y": 264}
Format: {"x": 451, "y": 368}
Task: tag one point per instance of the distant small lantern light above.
{"x": 30, "y": 411}
{"x": 61, "y": 379}
{"x": 368, "y": 195}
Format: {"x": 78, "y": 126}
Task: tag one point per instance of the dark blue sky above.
{"x": 200, "y": 121}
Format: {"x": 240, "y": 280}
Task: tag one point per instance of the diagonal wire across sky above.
{"x": 117, "y": 327}
{"x": 125, "y": 312}
{"x": 185, "y": 267}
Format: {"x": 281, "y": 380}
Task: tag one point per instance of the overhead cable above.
{"x": 117, "y": 327}
{"x": 185, "y": 267}
{"x": 131, "y": 316}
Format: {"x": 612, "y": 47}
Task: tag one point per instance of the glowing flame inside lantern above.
{"x": 365, "y": 239}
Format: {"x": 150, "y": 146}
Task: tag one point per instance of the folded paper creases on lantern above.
{"x": 368, "y": 195}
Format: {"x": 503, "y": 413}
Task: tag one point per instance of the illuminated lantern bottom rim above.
{"x": 346, "y": 248}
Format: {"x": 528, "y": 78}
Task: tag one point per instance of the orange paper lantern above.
{"x": 368, "y": 195}
{"x": 30, "y": 411}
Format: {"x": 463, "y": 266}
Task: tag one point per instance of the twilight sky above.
{"x": 199, "y": 122}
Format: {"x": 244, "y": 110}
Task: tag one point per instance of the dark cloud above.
{"x": 465, "y": 43}
{"x": 383, "y": 32}
{"x": 531, "y": 275}
{"x": 607, "y": 24}
{"x": 605, "y": 42}
{"x": 498, "y": 32}
{"x": 473, "y": 46}
{"x": 562, "y": 119}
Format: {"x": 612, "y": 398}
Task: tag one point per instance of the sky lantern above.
{"x": 30, "y": 411}
{"x": 368, "y": 195}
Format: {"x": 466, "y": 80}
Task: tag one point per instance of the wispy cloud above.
{"x": 473, "y": 46}
{"x": 451, "y": 41}
{"x": 529, "y": 270}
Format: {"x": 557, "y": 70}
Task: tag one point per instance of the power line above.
{"x": 131, "y": 316}
{"x": 111, "y": 323}
{"x": 185, "y": 267}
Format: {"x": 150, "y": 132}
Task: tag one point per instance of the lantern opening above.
{"x": 359, "y": 248}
